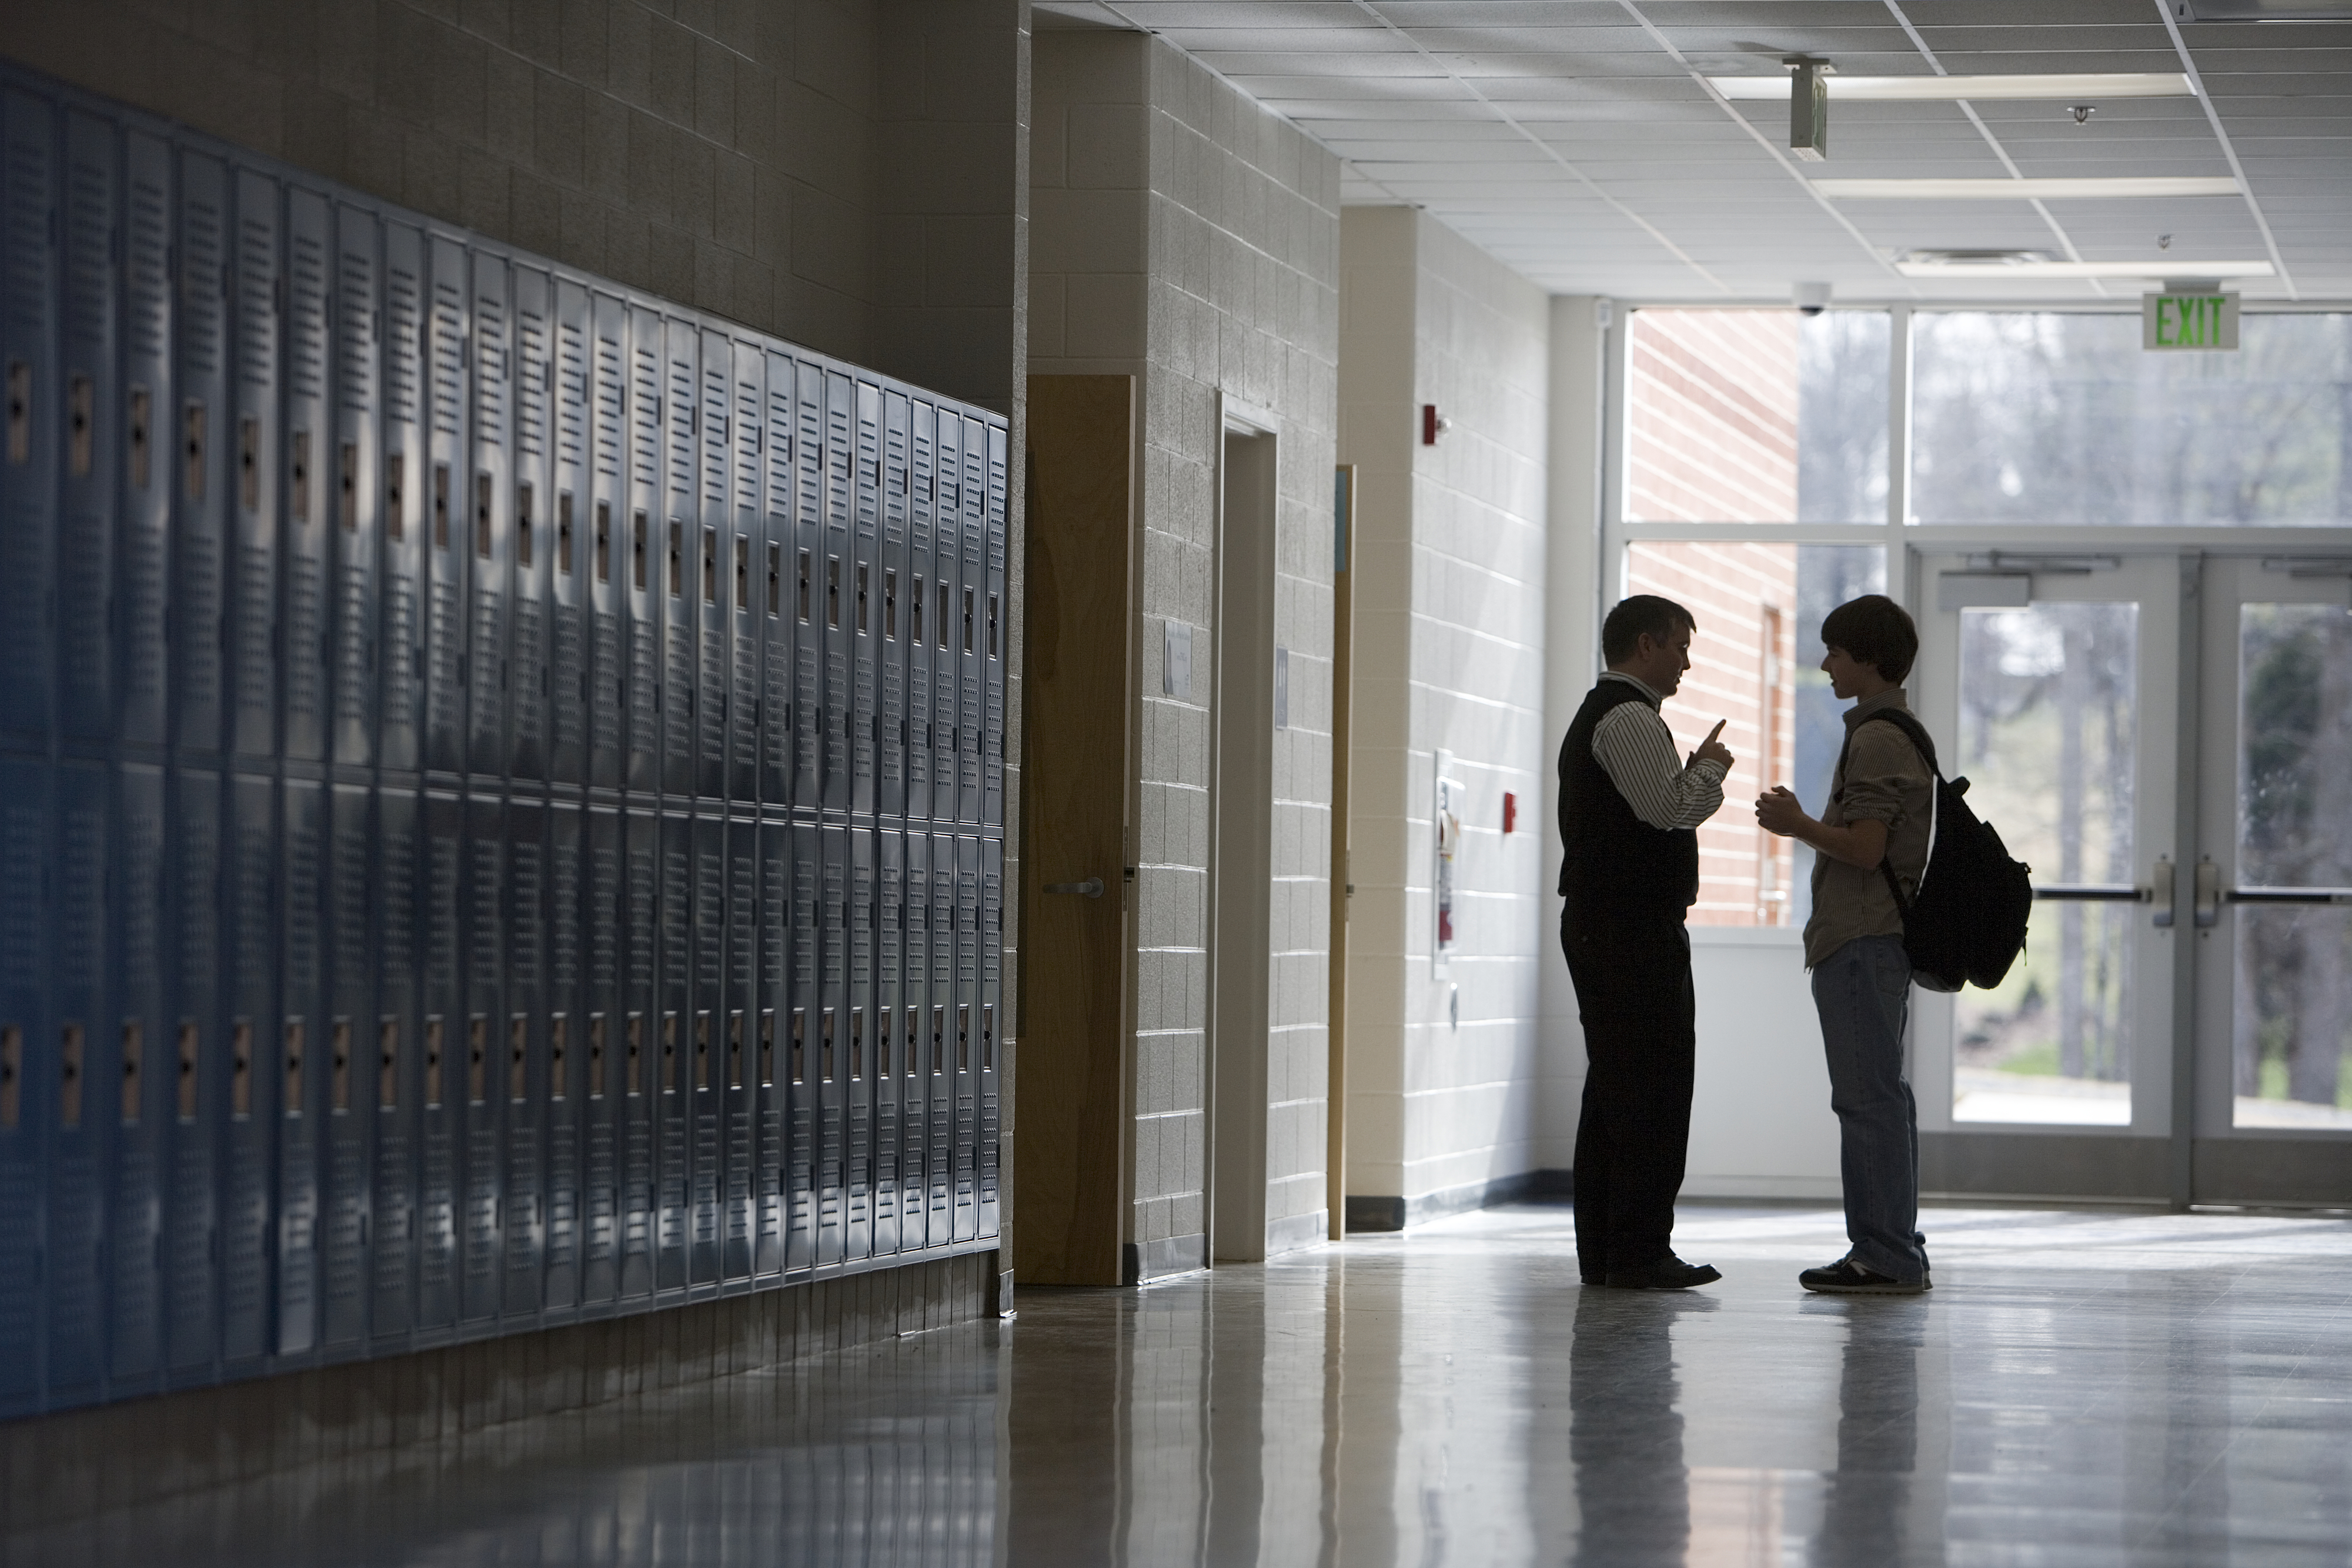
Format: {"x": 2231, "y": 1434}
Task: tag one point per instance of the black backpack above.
{"x": 1967, "y": 924}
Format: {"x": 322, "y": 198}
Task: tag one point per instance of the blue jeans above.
{"x": 1863, "y": 991}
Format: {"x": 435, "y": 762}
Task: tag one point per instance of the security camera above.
{"x": 1812, "y": 298}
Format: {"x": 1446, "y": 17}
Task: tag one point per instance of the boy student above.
{"x": 1630, "y": 805}
{"x": 1880, "y": 808}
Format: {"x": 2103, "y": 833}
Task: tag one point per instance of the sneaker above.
{"x": 1847, "y": 1278}
{"x": 1668, "y": 1274}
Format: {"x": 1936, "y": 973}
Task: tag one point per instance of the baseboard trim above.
{"x": 1298, "y": 1230}
{"x": 1143, "y": 1261}
{"x": 1382, "y": 1213}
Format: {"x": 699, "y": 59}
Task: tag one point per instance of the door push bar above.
{"x": 1090, "y": 888}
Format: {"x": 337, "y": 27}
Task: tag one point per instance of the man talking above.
{"x": 1629, "y": 809}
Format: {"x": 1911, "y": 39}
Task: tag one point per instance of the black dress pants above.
{"x": 1634, "y": 994}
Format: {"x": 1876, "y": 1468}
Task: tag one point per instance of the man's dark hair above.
{"x": 1874, "y": 629}
{"x": 1661, "y": 617}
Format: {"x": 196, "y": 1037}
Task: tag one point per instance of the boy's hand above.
{"x": 1778, "y": 811}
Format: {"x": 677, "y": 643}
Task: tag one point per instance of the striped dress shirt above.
{"x": 1637, "y": 751}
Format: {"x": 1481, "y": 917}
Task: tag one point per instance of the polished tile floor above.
{"x": 2080, "y": 1387}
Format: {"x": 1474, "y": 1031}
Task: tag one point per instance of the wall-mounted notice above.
{"x": 1281, "y": 688}
{"x": 2194, "y": 319}
{"x": 1447, "y": 797}
{"x": 1176, "y": 661}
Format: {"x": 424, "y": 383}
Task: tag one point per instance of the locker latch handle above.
{"x": 1090, "y": 888}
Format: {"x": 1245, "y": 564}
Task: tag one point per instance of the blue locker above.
{"x": 705, "y": 1093}
{"x": 672, "y": 1045}
{"x": 602, "y": 1077}
{"x": 27, "y": 1075}
{"x": 521, "y": 1087}
{"x": 751, "y": 573}
{"x": 395, "y": 1219}
{"x": 682, "y": 556}
{"x": 648, "y": 565}
{"x": 836, "y": 589}
{"x": 915, "y": 1056}
{"x": 970, "y": 630}
{"x": 143, "y": 512}
{"x": 771, "y": 1063}
{"x": 804, "y": 586}
{"x": 862, "y": 613}
{"x": 890, "y": 645}
{"x": 254, "y": 457}
{"x": 712, "y": 521}
{"x": 249, "y": 1083}
{"x": 138, "y": 1102}
{"x": 996, "y": 632}
{"x": 946, "y": 574}
{"x": 565, "y": 1067}
{"x": 78, "y": 1149}
{"x": 639, "y": 1211}
{"x": 829, "y": 1049}
{"x": 354, "y": 473}
{"x": 965, "y": 1023}
{"x": 199, "y": 1080}
{"x": 90, "y": 398}
{"x": 489, "y": 547}
{"x": 737, "y": 1073}
{"x": 409, "y": 576}
{"x": 531, "y": 540}
{"x": 449, "y": 408}
{"x": 804, "y": 1084}
{"x": 778, "y": 552}
{"x": 442, "y": 1070}
{"x": 915, "y": 601}
{"x": 889, "y": 1005}
{"x": 606, "y": 525}
{"x": 947, "y": 1177}
{"x": 36, "y": 394}
{"x": 301, "y": 1067}
{"x": 857, "y": 1075}
{"x": 481, "y": 1250}
{"x": 307, "y": 547}
{"x": 201, "y": 476}
{"x": 572, "y": 537}
{"x": 350, "y": 1063}
{"x": 989, "y": 1062}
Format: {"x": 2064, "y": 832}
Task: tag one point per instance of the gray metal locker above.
{"x": 563, "y": 1045}
{"x": 606, "y": 526}
{"x": 889, "y": 990}
{"x": 996, "y": 632}
{"x": 136, "y": 1102}
{"x": 28, "y": 1077}
{"x": 531, "y": 506}
{"x": 970, "y": 630}
{"x": 915, "y": 603}
{"x": 989, "y": 1062}
{"x": 746, "y": 563}
{"x": 201, "y": 476}
{"x": 346, "y": 1053}
{"x": 641, "y": 1062}
{"x": 829, "y": 1046}
{"x": 448, "y": 406}
{"x": 963, "y": 1022}
{"x": 198, "y": 1044}
{"x": 712, "y": 589}
{"x": 605, "y": 1089}
{"x": 890, "y": 640}
{"x": 681, "y": 595}
{"x": 441, "y": 1066}
{"x": 777, "y": 555}
{"x": 74, "y": 1257}
{"x": 862, "y": 613}
{"x": 254, "y": 456}
{"x": 36, "y": 409}
{"x": 571, "y": 536}
{"x": 403, "y": 488}
{"x": 800, "y": 1074}
{"x": 858, "y": 1076}
{"x": 90, "y": 398}
{"x": 674, "y": 1000}
{"x": 299, "y": 1066}
{"x": 772, "y": 1065}
{"x": 947, "y": 1172}
{"x": 643, "y": 548}
{"x": 836, "y": 589}
{"x": 705, "y": 1094}
{"x": 351, "y": 471}
{"x": 946, "y": 570}
{"x": 738, "y": 1072}
{"x": 249, "y": 876}
{"x": 306, "y": 545}
{"x": 804, "y": 586}
{"x": 520, "y": 1090}
{"x": 915, "y": 1159}
{"x": 481, "y": 1065}
{"x": 393, "y": 1059}
{"x": 488, "y": 511}
{"x": 143, "y": 510}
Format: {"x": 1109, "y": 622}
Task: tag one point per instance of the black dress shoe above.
{"x": 1668, "y": 1274}
{"x": 1847, "y": 1278}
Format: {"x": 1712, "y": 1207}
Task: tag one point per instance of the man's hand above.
{"x": 1779, "y": 812}
{"x": 1713, "y": 751}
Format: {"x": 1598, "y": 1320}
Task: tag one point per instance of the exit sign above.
{"x": 2192, "y": 322}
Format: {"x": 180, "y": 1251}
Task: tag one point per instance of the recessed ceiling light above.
{"x": 2023, "y": 265}
{"x": 2073, "y": 88}
{"x": 2262, "y": 10}
{"x": 2022, "y": 189}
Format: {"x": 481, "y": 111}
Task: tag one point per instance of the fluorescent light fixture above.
{"x": 2079, "y": 87}
{"x": 2022, "y": 271}
{"x": 2020, "y": 190}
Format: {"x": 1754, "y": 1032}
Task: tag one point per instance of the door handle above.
{"x": 1090, "y": 888}
{"x": 2209, "y": 893}
{"x": 2160, "y": 889}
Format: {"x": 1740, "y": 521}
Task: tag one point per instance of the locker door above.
{"x": 480, "y": 1065}
{"x": 805, "y": 1085}
{"x": 354, "y": 471}
{"x": 804, "y": 584}
{"x": 836, "y": 586}
{"x": 914, "y": 1050}
{"x": 564, "y": 1076}
{"x": 865, "y": 590}
{"x": 706, "y": 1097}
{"x": 488, "y": 519}
{"x": 36, "y": 394}
{"x": 675, "y": 1002}
{"x": 199, "y": 1080}
{"x": 748, "y": 591}
{"x": 89, "y": 400}
{"x": 27, "y": 1092}
{"x": 915, "y": 605}
{"x": 521, "y": 1086}
{"x": 772, "y": 1066}
{"x": 201, "y": 474}
{"x": 349, "y": 1061}
{"x": 142, "y": 707}
{"x": 946, "y": 574}
{"x": 738, "y": 1072}
{"x": 607, "y": 525}
{"x": 970, "y": 632}
{"x": 77, "y": 1147}
{"x": 248, "y": 1076}
{"x": 964, "y": 1024}
{"x": 829, "y": 1047}
{"x": 777, "y": 557}
{"x": 712, "y": 591}
{"x": 397, "y": 1070}
{"x": 254, "y": 456}
{"x": 640, "y": 1059}
{"x": 890, "y": 642}
{"x": 606, "y": 1088}
{"x": 305, "y": 546}
{"x": 989, "y": 1062}
{"x": 572, "y": 569}
{"x": 300, "y": 1064}
{"x": 888, "y": 1067}
{"x": 448, "y": 403}
{"x": 642, "y": 550}
{"x": 403, "y": 488}
{"x": 997, "y": 633}
{"x": 947, "y": 1174}
{"x": 532, "y": 542}
{"x": 857, "y": 1078}
{"x": 441, "y": 1052}
{"x": 137, "y": 1103}
{"x": 682, "y": 552}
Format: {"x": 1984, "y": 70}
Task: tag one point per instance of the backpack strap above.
{"x": 1916, "y": 733}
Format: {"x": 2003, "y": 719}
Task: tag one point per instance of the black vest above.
{"x": 1618, "y": 868}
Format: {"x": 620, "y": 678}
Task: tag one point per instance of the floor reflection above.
{"x": 2080, "y": 1387}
